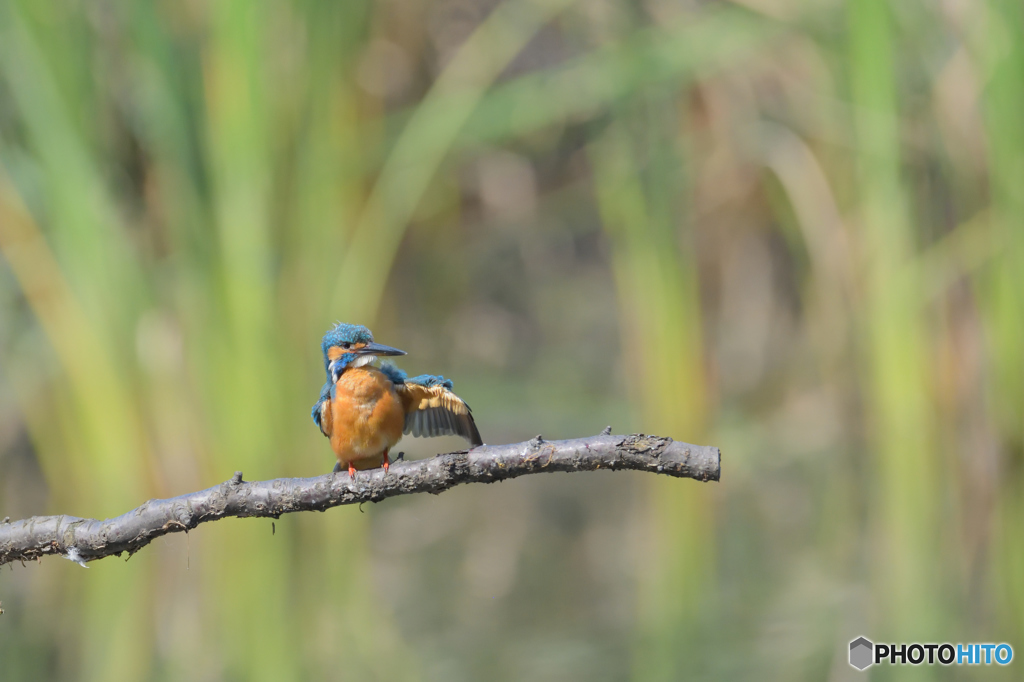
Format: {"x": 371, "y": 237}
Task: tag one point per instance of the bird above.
{"x": 364, "y": 409}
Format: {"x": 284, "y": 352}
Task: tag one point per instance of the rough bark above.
{"x": 83, "y": 540}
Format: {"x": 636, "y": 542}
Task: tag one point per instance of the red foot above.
{"x": 387, "y": 462}
{"x": 351, "y": 470}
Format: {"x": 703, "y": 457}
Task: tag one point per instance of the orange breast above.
{"x": 366, "y": 417}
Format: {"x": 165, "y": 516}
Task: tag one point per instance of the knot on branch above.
{"x": 642, "y": 444}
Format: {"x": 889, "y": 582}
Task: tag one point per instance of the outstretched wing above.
{"x": 431, "y": 409}
{"x": 436, "y": 411}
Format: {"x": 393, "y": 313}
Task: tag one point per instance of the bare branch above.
{"x": 84, "y": 540}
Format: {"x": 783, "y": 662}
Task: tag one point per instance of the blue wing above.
{"x": 318, "y": 409}
{"x": 431, "y": 380}
{"x": 398, "y": 376}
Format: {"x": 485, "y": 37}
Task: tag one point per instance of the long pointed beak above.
{"x": 379, "y": 349}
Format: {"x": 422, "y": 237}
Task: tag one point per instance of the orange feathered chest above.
{"x": 366, "y": 416}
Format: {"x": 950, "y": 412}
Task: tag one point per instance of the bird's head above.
{"x": 351, "y": 345}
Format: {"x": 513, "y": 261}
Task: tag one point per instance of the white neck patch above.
{"x": 363, "y": 360}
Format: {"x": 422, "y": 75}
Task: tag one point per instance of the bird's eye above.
{"x": 346, "y": 345}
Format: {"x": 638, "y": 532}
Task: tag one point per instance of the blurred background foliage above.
{"x": 785, "y": 228}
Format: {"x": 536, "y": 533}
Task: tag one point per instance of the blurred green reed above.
{"x": 181, "y": 284}
{"x": 905, "y": 510}
{"x": 641, "y": 209}
{"x": 999, "y": 53}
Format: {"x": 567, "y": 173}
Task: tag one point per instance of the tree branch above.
{"x": 84, "y": 540}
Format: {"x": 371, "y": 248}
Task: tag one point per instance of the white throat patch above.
{"x": 363, "y": 360}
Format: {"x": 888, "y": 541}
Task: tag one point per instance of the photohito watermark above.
{"x": 865, "y": 653}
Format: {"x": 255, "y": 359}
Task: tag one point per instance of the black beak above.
{"x": 379, "y": 349}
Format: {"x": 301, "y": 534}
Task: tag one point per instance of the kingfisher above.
{"x": 364, "y": 409}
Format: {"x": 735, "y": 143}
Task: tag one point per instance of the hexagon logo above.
{"x": 861, "y": 650}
